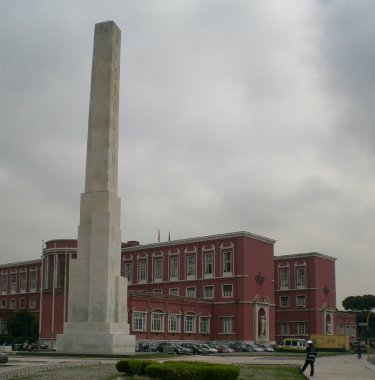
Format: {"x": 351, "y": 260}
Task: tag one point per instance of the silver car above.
{"x": 3, "y": 358}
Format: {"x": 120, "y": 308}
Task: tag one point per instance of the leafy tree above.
{"x": 22, "y": 324}
{"x": 359, "y": 303}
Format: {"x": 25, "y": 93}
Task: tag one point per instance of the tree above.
{"x": 22, "y": 324}
{"x": 359, "y": 303}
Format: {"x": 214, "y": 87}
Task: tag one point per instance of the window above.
{"x": 190, "y": 320}
{"x": 142, "y": 274}
{"x": 158, "y": 291}
{"x": 173, "y": 291}
{"x": 23, "y": 282}
{"x": 302, "y": 328}
{"x": 204, "y": 325}
{"x": 228, "y": 290}
{"x": 284, "y": 301}
{"x": 190, "y": 259}
{"x": 284, "y": 278}
{"x": 228, "y": 325}
{"x": 13, "y": 282}
{"x": 3, "y": 304}
{"x": 208, "y": 264}
{"x": 62, "y": 274}
{"x": 33, "y": 283}
{"x": 174, "y": 323}
{"x": 4, "y": 283}
{"x": 157, "y": 322}
{"x": 173, "y": 268}
{"x": 12, "y": 304}
{"x": 128, "y": 271}
{"x": 284, "y": 328}
{"x": 301, "y": 301}
{"x": 32, "y": 302}
{"x": 139, "y": 321}
{"x": 158, "y": 270}
{"x": 300, "y": 278}
{"x": 227, "y": 263}
{"x": 208, "y": 291}
{"x": 22, "y": 303}
{"x": 190, "y": 292}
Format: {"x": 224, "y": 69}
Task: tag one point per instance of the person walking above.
{"x": 311, "y": 354}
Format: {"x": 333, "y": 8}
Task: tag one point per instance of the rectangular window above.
{"x": 62, "y": 273}
{"x": 301, "y": 301}
{"x": 142, "y": 271}
{"x": 158, "y": 291}
{"x": 284, "y": 278}
{"x": 3, "y": 304}
{"x": 284, "y": 301}
{"x": 139, "y": 321}
{"x": 22, "y": 303}
{"x": 13, "y": 282}
{"x": 228, "y": 325}
{"x": 208, "y": 291}
{"x": 173, "y": 268}
{"x": 32, "y": 302}
{"x": 284, "y": 328}
{"x": 204, "y": 325}
{"x": 158, "y": 270}
{"x": 302, "y": 328}
{"x": 4, "y": 284}
{"x": 12, "y": 304}
{"x": 174, "y": 323}
{"x": 227, "y": 263}
{"x": 300, "y": 278}
{"x": 157, "y": 322}
{"x": 33, "y": 282}
{"x": 190, "y": 292}
{"x": 173, "y": 291}
{"x": 208, "y": 264}
{"x": 190, "y": 323}
{"x": 190, "y": 266}
{"x": 227, "y": 290}
{"x": 23, "y": 282}
{"x": 128, "y": 271}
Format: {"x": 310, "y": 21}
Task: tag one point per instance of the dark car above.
{"x": 195, "y": 348}
{"x": 3, "y": 358}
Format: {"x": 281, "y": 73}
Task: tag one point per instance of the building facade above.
{"x": 227, "y": 287}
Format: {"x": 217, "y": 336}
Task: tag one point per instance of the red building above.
{"x": 227, "y": 287}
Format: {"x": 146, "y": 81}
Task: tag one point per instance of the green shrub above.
{"x": 133, "y": 366}
{"x": 192, "y": 370}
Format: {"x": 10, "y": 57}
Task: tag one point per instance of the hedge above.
{"x": 133, "y": 367}
{"x": 192, "y": 370}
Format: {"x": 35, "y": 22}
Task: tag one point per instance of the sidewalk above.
{"x": 344, "y": 367}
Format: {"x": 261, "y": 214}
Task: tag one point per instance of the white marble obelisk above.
{"x": 97, "y": 302}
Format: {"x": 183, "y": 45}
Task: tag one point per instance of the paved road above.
{"x": 345, "y": 367}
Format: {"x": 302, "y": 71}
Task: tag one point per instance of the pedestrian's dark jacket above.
{"x": 311, "y": 353}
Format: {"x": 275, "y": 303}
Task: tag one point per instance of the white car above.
{"x": 211, "y": 350}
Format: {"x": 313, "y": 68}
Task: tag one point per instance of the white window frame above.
{"x": 128, "y": 271}
{"x": 174, "y": 323}
{"x": 301, "y": 277}
{"x": 158, "y": 270}
{"x": 32, "y": 302}
{"x": 227, "y": 262}
{"x": 142, "y": 271}
{"x": 284, "y": 328}
{"x": 158, "y": 291}
{"x": 139, "y": 321}
{"x": 226, "y": 293}
{"x": 12, "y": 304}
{"x": 300, "y": 300}
{"x": 191, "y": 291}
{"x": 13, "y": 282}
{"x": 157, "y": 321}
{"x": 191, "y": 266}
{"x": 302, "y": 328}
{"x": 284, "y": 278}
{"x": 3, "y": 304}
{"x": 282, "y": 303}
{"x": 209, "y": 264}
{"x": 174, "y": 291}
{"x": 4, "y": 283}
{"x": 23, "y": 282}
{"x": 204, "y": 324}
{"x": 22, "y": 303}
{"x": 207, "y": 293}
{"x": 228, "y": 325}
{"x": 190, "y": 322}
{"x": 173, "y": 268}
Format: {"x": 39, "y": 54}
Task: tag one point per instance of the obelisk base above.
{"x": 95, "y": 338}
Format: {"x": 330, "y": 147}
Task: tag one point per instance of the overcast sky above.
{"x": 234, "y": 116}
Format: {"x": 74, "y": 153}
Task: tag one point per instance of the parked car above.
{"x": 195, "y": 348}
{"x": 255, "y": 347}
{"x": 178, "y": 349}
{"x": 211, "y": 350}
{"x": 3, "y": 358}
{"x": 267, "y": 348}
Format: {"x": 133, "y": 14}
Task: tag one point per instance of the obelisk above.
{"x": 97, "y": 302}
